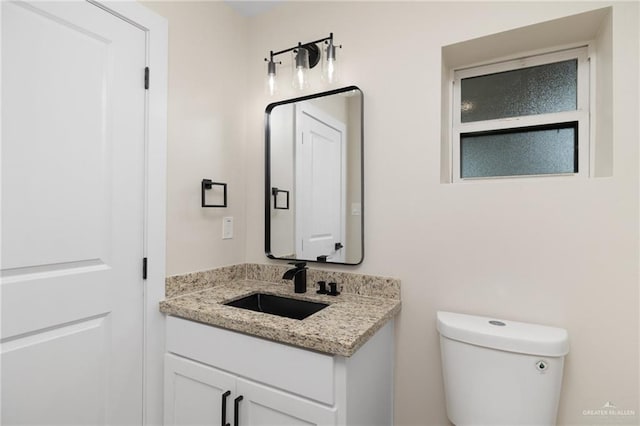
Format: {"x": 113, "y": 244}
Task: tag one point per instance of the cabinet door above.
{"x": 195, "y": 393}
{"x": 265, "y": 406}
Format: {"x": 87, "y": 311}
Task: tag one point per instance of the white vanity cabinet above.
{"x": 216, "y": 377}
{"x": 197, "y": 394}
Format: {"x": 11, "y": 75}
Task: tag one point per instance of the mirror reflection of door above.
{"x": 320, "y": 184}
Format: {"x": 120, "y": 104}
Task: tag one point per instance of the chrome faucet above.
{"x": 298, "y": 275}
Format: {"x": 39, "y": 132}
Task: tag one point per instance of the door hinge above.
{"x": 146, "y": 78}
{"x": 144, "y": 268}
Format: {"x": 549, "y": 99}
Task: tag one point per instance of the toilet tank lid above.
{"x": 505, "y": 335}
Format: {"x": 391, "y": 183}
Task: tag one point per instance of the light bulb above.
{"x": 300, "y": 80}
{"x": 330, "y": 73}
{"x": 301, "y": 65}
{"x": 271, "y": 84}
{"x": 329, "y": 68}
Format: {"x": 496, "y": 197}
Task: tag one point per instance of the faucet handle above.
{"x": 333, "y": 289}
{"x": 299, "y": 265}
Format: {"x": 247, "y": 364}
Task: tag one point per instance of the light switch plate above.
{"x": 356, "y": 209}
{"x": 227, "y": 228}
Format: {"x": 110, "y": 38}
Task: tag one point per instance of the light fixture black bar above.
{"x": 280, "y": 52}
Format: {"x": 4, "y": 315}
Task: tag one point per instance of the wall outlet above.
{"x": 356, "y": 209}
{"x": 227, "y": 228}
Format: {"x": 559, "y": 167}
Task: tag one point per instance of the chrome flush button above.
{"x": 542, "y": 366}
{"x": 499, "y": 323}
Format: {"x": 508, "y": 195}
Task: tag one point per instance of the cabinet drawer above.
{"x": 306, "y": 373}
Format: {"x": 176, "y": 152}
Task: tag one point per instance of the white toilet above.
{"x": 499, "y": 372}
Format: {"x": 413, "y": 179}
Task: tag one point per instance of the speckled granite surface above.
{"x": 339, "y": 329}
{"x": 196, "y": 281}
{"x": 365, "y": 285}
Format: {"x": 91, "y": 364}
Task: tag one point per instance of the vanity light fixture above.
{"x": 301, "y": 67}
{"x": 329, "y": 70}
{"x": 305, "y": 57}
{"x": 271, "y": 83}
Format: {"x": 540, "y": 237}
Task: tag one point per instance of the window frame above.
{"x": 581, "y": 114}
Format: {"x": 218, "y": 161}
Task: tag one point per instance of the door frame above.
{"x": 156, "y": 30}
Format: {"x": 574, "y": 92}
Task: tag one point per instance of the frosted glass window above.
{"x": 522, "y": 117}
{"x": 536, "y": 151}
{"x": 541, "y": 89}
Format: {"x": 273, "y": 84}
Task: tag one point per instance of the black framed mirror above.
{"x": 314, "y": 178}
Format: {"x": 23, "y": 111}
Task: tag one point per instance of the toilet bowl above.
{"x": 499, "y": 372}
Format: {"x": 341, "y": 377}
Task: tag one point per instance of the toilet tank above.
{"x": 499, "y": 372}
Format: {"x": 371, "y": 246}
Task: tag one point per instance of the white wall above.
{"x": 206, "y": 131}
{"x": 562, "y": 253}
{"x": 554, "y": 252}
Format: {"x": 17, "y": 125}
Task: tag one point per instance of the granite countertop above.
{"x": 339, "y": 329}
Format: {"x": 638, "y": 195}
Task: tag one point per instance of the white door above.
{"x": 196, "y": 394}
{"x": 73, "y": 131}
{"x": 266, "y": 406}
{"x": 320, "y": 185}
